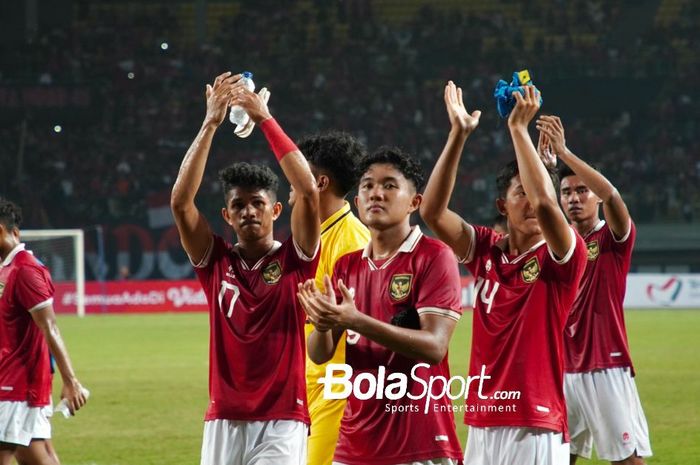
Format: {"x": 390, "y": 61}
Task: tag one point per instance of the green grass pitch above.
{"x": 148, "y": 379}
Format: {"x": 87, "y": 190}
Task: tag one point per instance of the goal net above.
{"x": 63, "y": 252}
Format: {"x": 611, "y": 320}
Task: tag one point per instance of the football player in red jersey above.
{"x": 257, "y": 411}
{"x": 602, "y": 402}
{"x": 28, "y": 332}
{"x": 525, "y": 283}
{"x": 399, "y": 319}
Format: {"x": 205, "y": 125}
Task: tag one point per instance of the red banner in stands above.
{"x": 153, "y": 296}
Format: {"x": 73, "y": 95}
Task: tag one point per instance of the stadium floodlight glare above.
{"x": 63, "y": 252}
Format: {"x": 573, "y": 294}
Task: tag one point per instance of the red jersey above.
{"x": 256, "y": 345}
{"x": 521, "y": 307}
{"x": 423, "y": 278}
{"x": 595, "y": 336}
{"x": 25, "y": 366}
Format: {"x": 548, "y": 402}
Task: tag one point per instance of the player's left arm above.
{"x": 428, "y": 344}
{"x": 72, "y": 391}
{"x": 35, "y": 293}
{"x": 306, "y": 228}
{"x": 535, "y": 179}
{"x": 614, "y": 208}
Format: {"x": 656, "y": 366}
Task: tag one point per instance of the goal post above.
{"x": 63, "y": 252}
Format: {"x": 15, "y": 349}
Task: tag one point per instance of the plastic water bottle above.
{"x": 238, "y": 116}
{"x": 62, "y": 406}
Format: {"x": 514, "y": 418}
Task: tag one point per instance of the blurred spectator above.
{"x": 357, "y": 66}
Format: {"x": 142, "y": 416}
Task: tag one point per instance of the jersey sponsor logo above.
{"x": 593, "y": 250}
{"x": 400, "y": 286}
{"x": 272, "y": 273}
{"x": 531, "y": 270}
{"x": 230, "y": 273}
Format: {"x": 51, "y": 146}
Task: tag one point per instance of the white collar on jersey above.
{"x": 275, "y": 246}
{"x": 406, "y": 247}
{"x": 596, "y": 228}
{"x": 503, "y": 243}
{"x": 18, "y": 248}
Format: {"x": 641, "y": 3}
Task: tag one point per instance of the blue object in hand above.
{"x": 503, "y": 93}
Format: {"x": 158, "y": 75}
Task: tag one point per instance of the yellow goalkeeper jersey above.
{"x": 341, "y": 234}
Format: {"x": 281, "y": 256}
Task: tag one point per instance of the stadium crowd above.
{"x": 344, "y": 65}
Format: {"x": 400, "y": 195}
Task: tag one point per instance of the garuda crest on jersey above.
{"x": 272, "y": 273}
{"x": 531, "y": 270}
{"x": 400, "y": 286}
{"x": 593, "y": 250}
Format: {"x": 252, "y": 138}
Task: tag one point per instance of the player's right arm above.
{"x": 445, "y": 223}
{"x": 195, "y": 233}
{"x": 535, "y": 179}
{"x": 614, "y": 208}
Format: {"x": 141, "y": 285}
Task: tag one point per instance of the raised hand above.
{"x": 553, "y": 129}
{"x": 459, "y": 117}
{"x": 544, "y": 150}
{"x": 254, "y": 104}
{"x": 218, "y": 97}
{"x": 526, "y": 107}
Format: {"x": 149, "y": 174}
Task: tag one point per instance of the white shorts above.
{"x": 604, "y": 409}
{"x": 274, "y": 442}
{"x": 20, "y": 423}
{"x": 508, "y": 445}
{"x": 443, "y": 461}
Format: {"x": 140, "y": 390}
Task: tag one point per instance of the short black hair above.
{"x": 402, "y": 161}
{"x": 509, "y": 171}
{"x": 565, "y": 171}
{"x": 337, "y": 154}
{"x": 10, "y": 214}
{"x": 248, "y": 176}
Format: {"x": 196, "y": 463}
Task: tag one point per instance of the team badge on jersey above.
{"x": 272, "y": 273}
{"x": 400, "y": 286}
{"x": 593, "y": 250}
{"x": 2, "y": 288}
{"x": 531, "y": 270}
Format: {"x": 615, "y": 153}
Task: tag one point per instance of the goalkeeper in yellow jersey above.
{"x": 333, "y": 158}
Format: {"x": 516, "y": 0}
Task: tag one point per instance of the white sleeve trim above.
{"x": 472, "y": 246}
{"x": 627, "y": 234}
{"x": 302, "y": 255}
{"x": 207, "y": 255}
{"x": 446, "y": 312}
{"x": 569, "y": 254}
{"x": 41, "y": 305}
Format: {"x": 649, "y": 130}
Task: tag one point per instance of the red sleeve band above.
{"x": 280, "y": 143}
